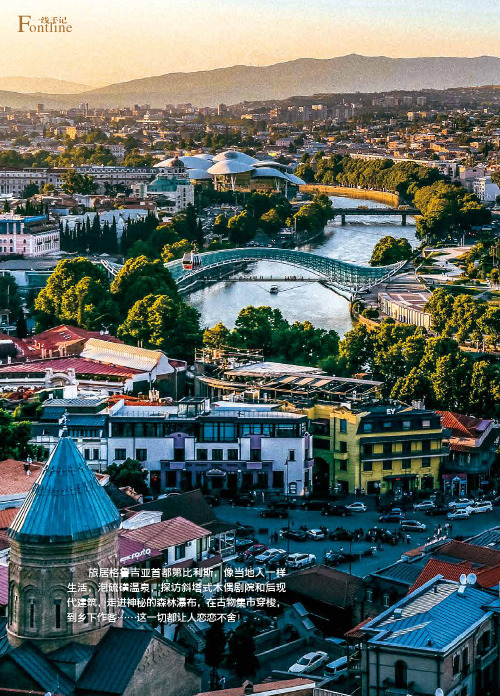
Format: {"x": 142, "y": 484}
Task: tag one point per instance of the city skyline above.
{"x": 243, "y": 33}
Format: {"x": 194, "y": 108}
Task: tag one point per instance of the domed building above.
{"x": 66, "y": 630}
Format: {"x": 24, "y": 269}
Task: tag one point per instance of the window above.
{"x": 217, "y": 455}
{"x": 426, "y": 462}
{"x": 343, "y": 425}
{"x": 387, "y": 465}
{"x": 400, "y": 674}
{"x": 291, "y": 455}
{"x": 342, "y": 447}
{"x": 456, "y": 664}
{"x": 406, "y": 464}
{"x": 465, "y": 661}
{"x": 385, "y": 600}
{"x": 407, "y": 447}
{"x": 367, "y": 466}
{"x": 85, "y": 607}
{"x": 369, "y": 595}
{"x": 426, "y": 446}
{"x": 343, "y": 465}
{"x": 180, "y": 552}
{"x": 232, "y": 455}
{"x": 255, "y": 455}
{"x": 141, "y": 454}
{"x": 387, "y": 425}
{"x": 57, "y": 607}
{"x": 367, "y": 427}
{"x": 426, "y": 424}
{"x": 86, "y": 454}
{"x": 120, "y": 454}
{"x": 387, "y": 447}
{"x": 95, "y": 454}
{"x": 278, "y": 479}
{"x": 368, "y": 449}
{"x": 32, "y": 613}
{"x": 202, "y": 455}
{"x": 406, "y": 425}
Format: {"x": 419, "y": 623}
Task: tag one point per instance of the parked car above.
{"x": 393, "y": 516}
{"x": 300, "y": 560}
{"x": 461, "y": 514}
{"x": 244, "y": 530}
{"x": 460, "y": 504}
{"x": 413, "y": 526}
{"x": 255, "y": 550}
{"x": 383, "y": 535}
{"x": 278, "y": 513}
{"x": 266, "y": 555}
{"x": 333, "y": 558}
{"x": 341, "y": 534}
{"x": 336, "y": 510}
{"x": 477, "y": 507}
{"x": 277, "y": 561}
{"x": 212, "y": 500}
{"x": 309, "y": 662}
{"x": 243, "y": 544}
{"x": 315, "y": 503}
{"x": 437, "y": 510}
{"x": 424, "y": 505}
{"x": 316, "y": 534}
{"x": 337, "y": 669}
{"x": 244, "y": 499}
{"x": 293, "y": 534}
{"x": 357, "y": 507}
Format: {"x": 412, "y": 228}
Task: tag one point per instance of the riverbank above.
{"x": 391, "y": 199}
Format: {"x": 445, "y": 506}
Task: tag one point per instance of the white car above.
{"x": 413, "y": 526}
{"x": 462, "y": 514}
{"x": 357, "y": 507}
{"x": 316, "y": 534}
{"x": 460, "y": 504}
{"x": 266, "y": 555}
{"x": 300, "y": 560}
{"x": 309, "y": 662}
{"x": 424, "y": 505}
{"x": 484, "y": 506}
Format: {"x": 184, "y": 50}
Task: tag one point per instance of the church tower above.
{"x": 67, "y": 526}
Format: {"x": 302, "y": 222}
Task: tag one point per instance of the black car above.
{"x": 282, "y": 502}
{"x": 315, "y": 503}
{"x": 392, "y": 516}
{"x": 336, "y": 510}
{"x": 294, "y": 534}
{"x": 278, "y": 513}
{"x": 333, "y": 558}
{"x": 383, "y": 535}
{"x": 245, "y": 500}
{"x": 212, "y": 500}
{"x": 244, "y": 530}
{"x": 341, "y": 534}
{"x": 277, "y": 561}
{"x": 435, "y": 511}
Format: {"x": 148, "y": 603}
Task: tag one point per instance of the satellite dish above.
{"x": 463, "y": 579}
{"x": 471, "y": 579}
{"x": 439, "y": 692}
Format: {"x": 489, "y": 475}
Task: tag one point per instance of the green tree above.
{"x": 258, "y": 327}
{"x": 129, "y": 473}
{"x": 390, "y": 250}
{"x": 241, "y": 228}
{"x": 139, "y": 277}
{"x": 241, "y": 656}
{"x": 217, "y": 336}
{"x": 10, "y": 298}
{"x": 15, "y": 439}
{"x": 73, "y": 182}
{"x": 30, "y": 190}
{"x": 21, "y": 326}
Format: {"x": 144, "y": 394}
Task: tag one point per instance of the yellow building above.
{"x": 376, "y": 449}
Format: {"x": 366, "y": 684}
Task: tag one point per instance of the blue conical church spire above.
{"x": 66, "y": 503}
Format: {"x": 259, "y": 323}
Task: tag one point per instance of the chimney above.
{"x": 247, "y": 687}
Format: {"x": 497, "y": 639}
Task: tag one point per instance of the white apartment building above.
{"x": 485, "y": 189}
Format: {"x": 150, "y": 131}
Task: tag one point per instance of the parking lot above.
{"x": 265, "y": 527}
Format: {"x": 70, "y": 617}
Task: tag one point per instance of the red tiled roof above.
{"x": 469, "y": 552}
{"x": 356, "y": 632}
{"x": 13, "y": 477}
{"x": 80, "y": 365}
{"x": 7, "y": 515}
{"x": 133, "y": 551}
{"x": 450, "y": 571}
{"x": 459, "y": 424}
{"x": 489, "y": 577}
{"x": 327, "y": 585}
{"x": 163, "y": 535}
{"x": 282, "y": 685}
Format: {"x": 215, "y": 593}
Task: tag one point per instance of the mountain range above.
{"x": 305, "y": 76}
{"x": 26, "y": 85}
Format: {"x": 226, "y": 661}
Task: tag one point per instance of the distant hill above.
{"x": 305, "y": 76}
{"x": 27, "y": 85}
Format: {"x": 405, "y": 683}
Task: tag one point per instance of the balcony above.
{"x": 487, "y": 658}
{"x": 414, "y": 454}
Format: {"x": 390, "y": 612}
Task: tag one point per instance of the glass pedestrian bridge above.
{"x": 339, "y": 274}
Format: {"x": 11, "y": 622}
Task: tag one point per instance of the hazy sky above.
{"x": 115, "y": 40}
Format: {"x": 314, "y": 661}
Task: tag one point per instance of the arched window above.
{"x": 400, "y": 674}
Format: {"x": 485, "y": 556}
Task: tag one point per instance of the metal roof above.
{"x": 39, "y": 668}
{"x": 66, "y": 503}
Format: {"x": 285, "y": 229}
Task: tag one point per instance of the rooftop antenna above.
{"x": 471, "y": 579}
{"x": 64, "y": 423}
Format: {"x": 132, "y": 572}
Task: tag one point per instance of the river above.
{"x": 353, "y": 242}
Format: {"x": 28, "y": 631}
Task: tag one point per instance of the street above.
{"x": 264, "y": 527}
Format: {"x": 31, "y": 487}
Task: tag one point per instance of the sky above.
{"x": 117, "y": 40}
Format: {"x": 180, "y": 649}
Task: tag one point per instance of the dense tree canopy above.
{"x": 139, "y": 277}
{"x": 390, "y": 250}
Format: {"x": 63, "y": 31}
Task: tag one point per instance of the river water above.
{"x": 353, "y": 242}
